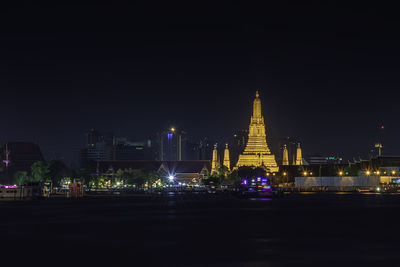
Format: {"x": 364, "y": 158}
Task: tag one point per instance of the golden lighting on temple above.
{"x": 257, "y": 153}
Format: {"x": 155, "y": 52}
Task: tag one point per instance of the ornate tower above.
{"x": 227, "y": 161}
{"x": 257, "y": 152}
{"x": 299, "y": 157}
{"x": 215, "y": 161}
{"x": 285, "y": 160}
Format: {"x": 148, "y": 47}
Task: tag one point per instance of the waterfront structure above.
{"x": 227, "y": 161}
{"x": 299, "y": 157}
{"x": 178, "y": 172}
{"x": 285, "y": 157}
{"x": 215, "y": 161}
{"x": 257, "y": 153}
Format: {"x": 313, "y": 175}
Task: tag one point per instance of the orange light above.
{"x": 382, "y": 127}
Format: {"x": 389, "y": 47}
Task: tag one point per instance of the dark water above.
{"x": 197, "y": 230}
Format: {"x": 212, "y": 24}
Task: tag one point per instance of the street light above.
{"x": 368, "y": 172}
{"x": 340, "y": 173}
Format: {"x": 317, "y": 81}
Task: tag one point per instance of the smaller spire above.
{"x": 257, "y": 94}
{"x": 215, "y": 162}
{"x": 299, "y": 157}
{"x": 227, "y": 161}
{"x": 285, "y": 160}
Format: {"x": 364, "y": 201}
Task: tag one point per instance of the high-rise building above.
{"x": 257, "y": 152}
{"x": 99, "y": 147}
{"x": 204, "y": 149}
{"x": 238, "y": 144}
{"x": 172, "y": 145}
{"x": 128, "y": 150}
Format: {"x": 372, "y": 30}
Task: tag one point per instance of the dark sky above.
{"x": 328, "y": 74}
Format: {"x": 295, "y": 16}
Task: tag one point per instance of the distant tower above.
{"x": 379, "y": 146}
{"x": 285, "y": 160}
{"x": 227, "y": 162}
{"x": 215, "y": 161}
{"x": 7, "y": 160}
{"x": 256, "y": 152}
{"x": 299, "y": 159}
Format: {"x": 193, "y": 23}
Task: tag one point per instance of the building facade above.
{"x": 257, "y": 152}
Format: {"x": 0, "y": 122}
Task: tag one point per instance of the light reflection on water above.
{"x": 260, "y": 199}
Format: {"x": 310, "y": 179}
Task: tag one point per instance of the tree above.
{"x": 151, "y": 177}
{"x": 234, "y": 178}
{"x": 40, "y": 171}
{"x": 251, "y": 172}
{"x": 20, "y": 177}
{"x": 57, "y": 171}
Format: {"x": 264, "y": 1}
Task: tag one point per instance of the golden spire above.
{"x": 299, "y": 158}
{"x": 285, "y": 160}
{"x": 227, "y": 161}
{"x": 257, "y": 107}
{"x": 257, "y": 152}
{"x": 215, "y": 162}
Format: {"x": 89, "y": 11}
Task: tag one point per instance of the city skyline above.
{"x": 326, "y": 81}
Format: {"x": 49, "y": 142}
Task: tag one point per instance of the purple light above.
{"x": 245, "y": 181}
{"x": 10, "y": 186}
{"x": 169, "y": 136}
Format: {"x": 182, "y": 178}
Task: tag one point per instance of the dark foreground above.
{"x": 196, "y": 230}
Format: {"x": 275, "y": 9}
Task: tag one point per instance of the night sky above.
{"x": 328, "y": 74}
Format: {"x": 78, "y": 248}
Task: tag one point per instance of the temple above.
{"x": 215, "y": 162}
{"x": 299, "y": 158}
{"x": 227, "y": 161}
{"x": 285, "y": 157}
{"x": 257, "y": 153}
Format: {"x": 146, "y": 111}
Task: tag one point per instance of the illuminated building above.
{"x": 257, "y": 152}
{"x": 299, "y": 158}
{"x": 227, "y": 161}
{"x": 172, "y": 145}
{"x": 215, "y": 162}
{"x": 285, "y": 160}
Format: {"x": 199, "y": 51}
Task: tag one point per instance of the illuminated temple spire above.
{"x": 257, "y": 152}
{"x": 285, "y": 160}
{"x": 215, "y": 162}
{"x": 299, "y": 157}
{"x": 227, "y": 161}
